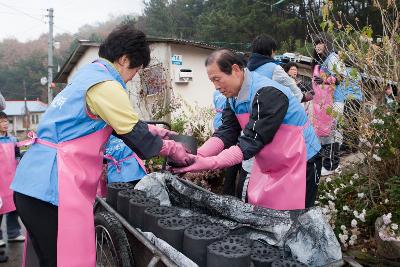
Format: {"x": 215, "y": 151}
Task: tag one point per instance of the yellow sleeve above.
{"x": 109, "y": 101}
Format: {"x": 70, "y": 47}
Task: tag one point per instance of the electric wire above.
{"x": 22, "y": 12}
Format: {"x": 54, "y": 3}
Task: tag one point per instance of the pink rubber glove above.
{"x": 211, "y": 147}
{"x": 330, "y": 80}
{"x": 177, "y": 153}
{"x": 161, "y": 132}
{"x": 226, "y": 158}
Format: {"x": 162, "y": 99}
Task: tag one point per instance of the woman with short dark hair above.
{"x": 291, "y": 69}
{"x": 56, "y": 181}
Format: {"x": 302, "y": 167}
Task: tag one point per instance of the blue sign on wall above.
{"x": 176, "y": 59}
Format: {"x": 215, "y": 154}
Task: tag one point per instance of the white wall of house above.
{"x": 35, "y": 119}
{"x": 90, "y": 55}
{"x": 199, "y": 91}
{"x": 17, "y": 122}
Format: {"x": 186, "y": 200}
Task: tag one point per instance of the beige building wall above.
{"x": 17, "y": 122}
{"x": 90, "y": 55}
{"x": 199, "y": 91}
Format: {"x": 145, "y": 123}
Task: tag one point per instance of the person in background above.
{"x": 3, "y": 258}
{"x": 276, "y": 132}
{"x": 390, "y": 95}
{"x": 291, "y": 69}
{"x": 56, "y": 181}
{"x": 262, "y": 61}
{"x": 325, "y": 67}
{"x": 9, "y": 156}
{"x": 231, "y": 173}
{"x": 123, "y": 165}
{"x": 219, "y": 101}
{"x": 348, "y": 92}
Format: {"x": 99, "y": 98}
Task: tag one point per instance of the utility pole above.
{"x": 26, "y": 113}
{"x": 50, "y": 57}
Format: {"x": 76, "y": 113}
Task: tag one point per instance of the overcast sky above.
{"x": 26, "y": 19}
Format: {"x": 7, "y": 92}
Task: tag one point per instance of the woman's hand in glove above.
{"x": 226, "y": 158}
{"x": 177, "y": 153}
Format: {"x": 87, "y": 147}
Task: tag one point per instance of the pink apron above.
{"x": 79, "y": 169}
{"x": 8, "y": 165}
{"x": 278, "y": 177}
{"x": 102, "y": 186}
{"x": 323, "y": 100}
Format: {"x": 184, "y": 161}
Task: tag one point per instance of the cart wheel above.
{"x": 112, "y": 246}
{"x": 97, "y": 207}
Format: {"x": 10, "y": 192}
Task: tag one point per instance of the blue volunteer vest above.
{"x": 295, "y": 114}
{"x": 129, "y": 168}
{"x": 219, "y": 105}
{"x": 266, "y": 70}
{"x": 349, "y": 88}
{"x": 65, "y": 119}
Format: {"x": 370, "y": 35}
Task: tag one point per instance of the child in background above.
{"x": 9, "y": 154}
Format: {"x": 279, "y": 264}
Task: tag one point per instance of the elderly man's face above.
{"x": 228, "y": 84}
